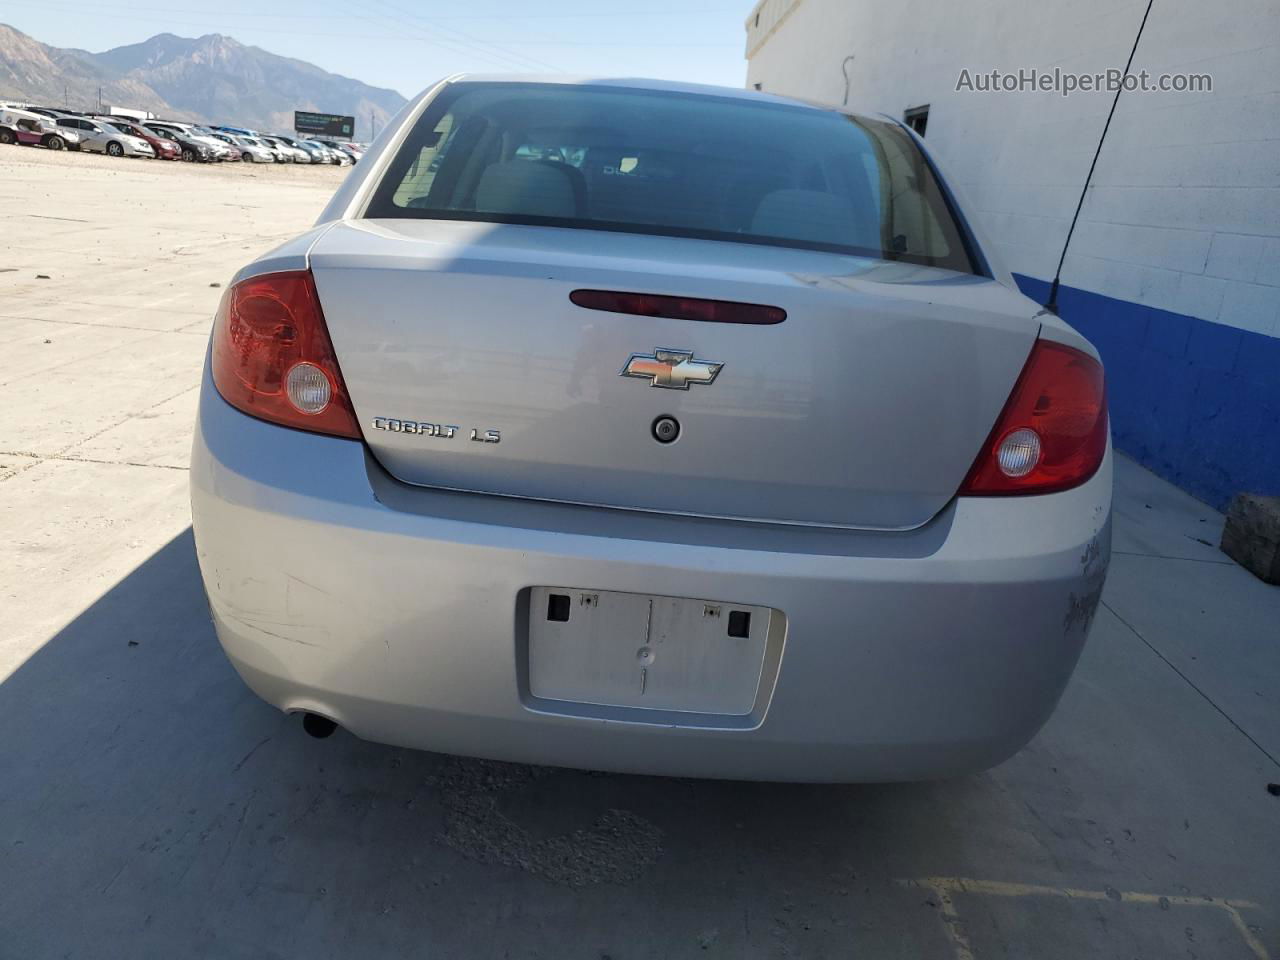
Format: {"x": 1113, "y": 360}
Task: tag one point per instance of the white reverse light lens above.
{"x": 308, "y": 388}
{"x": 1018, "y": 454}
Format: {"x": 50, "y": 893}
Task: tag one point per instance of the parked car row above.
{"x": 125, "y": 136}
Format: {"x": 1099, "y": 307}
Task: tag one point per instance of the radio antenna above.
{"x": 1052, "y": 303}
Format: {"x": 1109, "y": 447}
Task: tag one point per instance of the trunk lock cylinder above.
{"x": 666, "y": 429}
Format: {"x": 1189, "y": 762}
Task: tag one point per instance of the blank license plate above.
{"x": 633, "y": 650}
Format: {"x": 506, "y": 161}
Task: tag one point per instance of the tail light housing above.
{"x": 1052, "y": 433}
{"x": 273, "y": 359}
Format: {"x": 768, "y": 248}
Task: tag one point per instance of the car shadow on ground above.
{"x": 151, "y": 806}
{"x": 149, "y": 800}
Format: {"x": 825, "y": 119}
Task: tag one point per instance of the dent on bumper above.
{"x": 395, "y": 611}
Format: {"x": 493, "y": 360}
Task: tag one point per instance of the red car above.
{"x": 165, "y": 149}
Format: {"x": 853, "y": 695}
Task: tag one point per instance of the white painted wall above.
{"x": 1184, "y": 212}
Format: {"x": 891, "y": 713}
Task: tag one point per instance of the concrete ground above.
{"x": 150, "y": 806}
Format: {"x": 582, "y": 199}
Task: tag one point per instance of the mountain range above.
{"x": 209, "y": 79}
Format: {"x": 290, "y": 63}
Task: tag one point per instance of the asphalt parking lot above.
{"x": 150, "y": 806}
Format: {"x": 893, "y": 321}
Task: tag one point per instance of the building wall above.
{"x": 1174, "y": 269}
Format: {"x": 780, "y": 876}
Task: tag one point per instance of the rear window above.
{"x": 672, "y": 163}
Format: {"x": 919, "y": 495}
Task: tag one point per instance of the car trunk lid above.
{"x": 470, "y": 368}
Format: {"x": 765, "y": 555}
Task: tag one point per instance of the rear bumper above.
{"x": 398, "y": 612}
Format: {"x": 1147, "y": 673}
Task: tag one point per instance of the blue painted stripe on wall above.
{"x": 1194, "y": 401}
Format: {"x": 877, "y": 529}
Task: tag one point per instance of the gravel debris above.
{"x": 616, "y": 848}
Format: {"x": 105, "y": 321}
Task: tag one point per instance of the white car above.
{"x": 97, "y": 136}
{"x": 251, "y": 150}
{"x": 292, "y": 149}
{"x": 652, "y": 427}
{"x": 23, "y": 126}
{"x": 225, "y": 150}
{"x": 258, "y": 151}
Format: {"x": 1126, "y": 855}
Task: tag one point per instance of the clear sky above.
{"x": 408, "y": 44}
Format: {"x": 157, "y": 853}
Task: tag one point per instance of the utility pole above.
{"x": 66, "y": 100}
{"x": 99, "y": 99}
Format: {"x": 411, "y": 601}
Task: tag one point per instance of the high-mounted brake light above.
{"x": 273, "y": 359}
{"x": 1052, "y": 433}
{"x": 678, "y": 308}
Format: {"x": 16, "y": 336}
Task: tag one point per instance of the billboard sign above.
{"x": 324, "y": 124}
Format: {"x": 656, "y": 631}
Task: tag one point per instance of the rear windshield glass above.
{"x": 672, "y": 163}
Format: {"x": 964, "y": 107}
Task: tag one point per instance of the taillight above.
{"x": 1052, "y": 433}
{"x": 272, "y": 357}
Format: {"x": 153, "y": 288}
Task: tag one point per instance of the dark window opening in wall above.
{"x": 758, "y": 86}
{"x": 917, "y": 118}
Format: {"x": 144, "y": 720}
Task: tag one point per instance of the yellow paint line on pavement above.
{"x": 998, "y": 888}
{"x": 951, "y": 924}
{"x": 947, "y": 887}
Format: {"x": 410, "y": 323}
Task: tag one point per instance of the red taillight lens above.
{"x": 1052, "y": 433}
{"x": 678, "y": 308}
{"x": 272, "y": 357}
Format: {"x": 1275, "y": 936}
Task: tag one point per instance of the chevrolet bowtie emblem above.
{"x": 672, "y": 369}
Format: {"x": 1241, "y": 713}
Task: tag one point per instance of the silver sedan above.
{"x": 316, "y": 153}
{"x": 654, "y": 428}
{"x": 284, "y": 152}
{"x": 98, "y": 136}
{"x": 251, "y": 150}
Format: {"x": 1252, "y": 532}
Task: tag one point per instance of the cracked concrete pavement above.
{"x": 150, "y": 806}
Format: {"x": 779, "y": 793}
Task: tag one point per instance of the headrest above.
{"x": 530, "y": 187}
{"x": 816, "y": 216}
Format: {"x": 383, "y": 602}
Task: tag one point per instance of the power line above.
{"x": 410, "y": 31}
{"x": 517, "y": 59}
